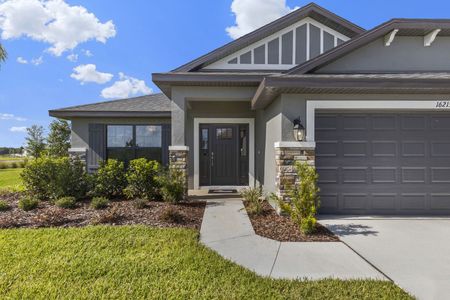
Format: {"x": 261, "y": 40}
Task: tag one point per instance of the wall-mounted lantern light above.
{"x": 299, "y": 130}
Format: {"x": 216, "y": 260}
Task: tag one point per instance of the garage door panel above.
{"x": 440, "y": 201}
{"x": 396, "y": 163}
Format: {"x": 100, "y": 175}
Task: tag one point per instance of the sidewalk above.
{"x": 226, "y": 229}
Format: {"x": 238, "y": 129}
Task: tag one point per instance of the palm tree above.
{"x": 2, "y": 53}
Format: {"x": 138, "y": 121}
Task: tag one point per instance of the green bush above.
{"x": 110, "y": 181}
{"x": 254, "y": 199}
{"x": 28, "y": 203}
{"x": 99, "y": 202}
{"x": 171, "y": 183}
{"x": 4, "y": 206}
{"x": 140, "y": 203}
{"x": 66, "y": 202}
{"x": 53, "y": 178}
{"x": 141, "y": 179}
{"x": 304, "y": 199}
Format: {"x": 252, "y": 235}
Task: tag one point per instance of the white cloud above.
{"x": 126, "y": 87}
{"x": 37, "y": 61}
{"x": 11, "y": 117}
{"x": 88, "y": 53}
{"x": 72, "y": 57}
{"x": 53, "y": 22}
{"x": 22, "y": 60}
{"x": 89, "y": 73}
{"x": 18, "y": 129}
{"x": 252, "y": 14}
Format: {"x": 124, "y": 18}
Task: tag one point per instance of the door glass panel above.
{"x": 243, "y": 142}
{"x": 224, "y": 133}
{"x": 205, "y": 139}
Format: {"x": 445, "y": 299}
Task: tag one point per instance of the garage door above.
{"x": 383, "y": 163}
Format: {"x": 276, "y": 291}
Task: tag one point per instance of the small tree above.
{"x": 304, "y": 199}
{"x": 59, "y": 138}
{"x": 35, "y": 141}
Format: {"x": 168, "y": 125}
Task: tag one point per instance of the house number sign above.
{"x": 442, "y": 104}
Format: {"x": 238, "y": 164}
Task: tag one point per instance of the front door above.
{"x": 223, "y": 154}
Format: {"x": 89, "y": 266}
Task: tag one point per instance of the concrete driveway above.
{"x": 413, "y": 252}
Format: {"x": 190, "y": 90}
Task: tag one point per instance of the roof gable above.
{"x": 312, "y": 11}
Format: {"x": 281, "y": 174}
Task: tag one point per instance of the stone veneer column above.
{"x": 286, "y": 155}
{"x": 178, "y": 159}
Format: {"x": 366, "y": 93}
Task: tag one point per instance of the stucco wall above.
{"x": 80, "y": 127}
{"x": 404, "y": 54}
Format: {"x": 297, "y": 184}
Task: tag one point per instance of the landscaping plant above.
{"x": 66, "y": 202}
{"x": 141, "y": 179}
{"x": 4, "y": 206}
{"x": 140, "y": 203}
{"x": 110, "y": 181}
{"x": 49, "y": 178}
{"x": 58, "y": 139}
{"x": 28, "y": 203}
{"x": 99, "y": 202}
{"x": 171, "y": 183}
{"x": 254, "y": 198}
{"x": 304, "y": 198}
{"x": 171, "y": 215}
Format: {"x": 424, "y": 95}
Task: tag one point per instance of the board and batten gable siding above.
{"x": 405, "y": 54}
{"x": 285, "y": 49}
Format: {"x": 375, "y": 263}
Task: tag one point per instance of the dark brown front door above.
{"x": 223, "y": 154}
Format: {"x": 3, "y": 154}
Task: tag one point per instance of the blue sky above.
{"x": 143, "y": 37}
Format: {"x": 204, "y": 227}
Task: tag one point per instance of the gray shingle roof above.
{"x": 149, "y": 105}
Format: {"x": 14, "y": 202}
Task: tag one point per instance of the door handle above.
{"x": 212, "y": 159}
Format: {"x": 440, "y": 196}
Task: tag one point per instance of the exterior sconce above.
{"x": 299, "y": 130}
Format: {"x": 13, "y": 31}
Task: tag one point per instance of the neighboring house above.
{"x": 375, "y": 105}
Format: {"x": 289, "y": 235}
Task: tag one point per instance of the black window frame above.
{"x": 134, "y": 148}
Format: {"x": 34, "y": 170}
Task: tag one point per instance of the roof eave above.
{"x": 107, "y": 114}
{"x": 274, "y": 86}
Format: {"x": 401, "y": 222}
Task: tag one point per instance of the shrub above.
{"x": 171, "y": 215}
{"x": 141, "y": 179}
{"x": 109, "y": 181}
{"x": 53, "y": 178}
{"x": 66, "y": 202}
{"x": 171, "y": 183}
{"x": 254, "y": 199}
{"x": 28, "y": 203}
{"x": 111, "y": 216}
{"x": 140, "y": 203}
{"x": 99, "y": 202}
{"x": 4, "y": 206}
{"x": 304, "y": 199}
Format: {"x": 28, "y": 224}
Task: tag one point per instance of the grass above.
{"x": 10, "y": 178}
{"x": 10, "y": 158}
{"x": 137, "y": 262}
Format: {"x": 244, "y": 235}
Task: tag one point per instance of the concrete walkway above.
{"x": 226, "y": 229}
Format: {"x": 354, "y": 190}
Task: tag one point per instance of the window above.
{"x": 224, "y": 133}
{"x": 128, "y": 142}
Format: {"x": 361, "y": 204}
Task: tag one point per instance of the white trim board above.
{"x": 251, "y": 152}
{"x": 385, "y": 105}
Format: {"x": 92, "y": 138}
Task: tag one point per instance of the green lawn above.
{"x": 10, "y": 178}
{"x": 138, "y": 262}
{"x": 10, "y": 158}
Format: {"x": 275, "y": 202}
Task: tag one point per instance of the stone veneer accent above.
{"x": 286, "y": 155}
{"x": 178, "y": 159}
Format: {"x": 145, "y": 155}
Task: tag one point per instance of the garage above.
{"x": 382, "y": 163}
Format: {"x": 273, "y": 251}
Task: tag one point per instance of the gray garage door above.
{"x": 384, "y": 163}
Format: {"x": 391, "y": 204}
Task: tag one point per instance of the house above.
{"x": 375, "y": 105}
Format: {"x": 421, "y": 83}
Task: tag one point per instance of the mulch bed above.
{"x": 271, "y": 225}
{"x": 120, "y": 212}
